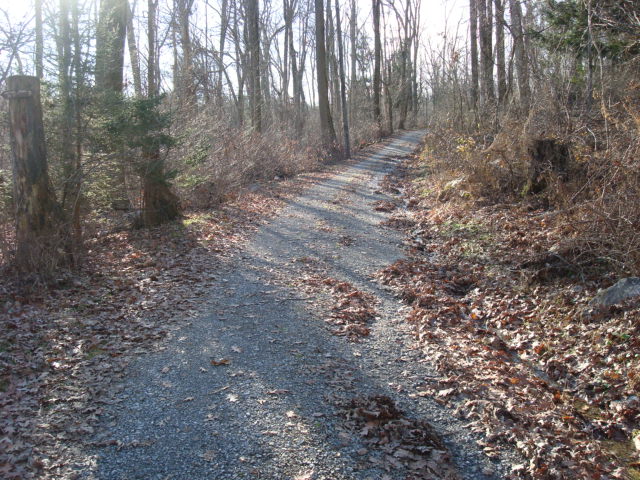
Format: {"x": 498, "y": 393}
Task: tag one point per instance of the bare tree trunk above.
{"x": 500, "y": 58}
{"x": 473, "y": 36}
{"x": 288, "y": 32}
{"x": 187, "y": 91}
{"x": 240, "y": 59}
{"x": 37, "y": 212}
{"x": 589, "y": 90}
{"x": 405, "y": 48}
{"x": 110, "y": 39}
{"x": 264, "y": 61}
{"x": 39, "y": 40}
{"x": 76, "y": 187}
{"x": 353, "y": 36}
{"x": 520, "y": 54}
{"x": 377, "y": 114}
{"x": 334, "y": 79}
{"x": 296, "y": 77}
{"x": 224, "y": 25}
{"x": 326, "y": 123}
{"x": 255, "y": 91}
{"x": 416, "y": 47}
{"x": 343, "y": 89}
{"x": 69, "y": 64}
{"x": 389, "y": 98}
{"x": 486, "y": 52}
{"x": 133, "y": 51}
{"x": 160, "y": 204}
{"x": 353, "y": 85}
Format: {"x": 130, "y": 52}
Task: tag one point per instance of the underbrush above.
{"x": 215, "y": 159}
{"x": 499, "y": 286}
{"x": 584, "y": 171}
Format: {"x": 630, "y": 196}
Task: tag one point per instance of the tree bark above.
{"x": 76, "y": 185}
{"x": 253, "y": 24}
{"x": 500, "y": 54}
{"x": 334, "y": 76}
{"x": 37, "y": 212}
{"x": 377, "y": 114}
{"x": 326, "y": 123}
{"x": 520, "y": 54}
{"x": 343, "y": 89}
{"x": 110, "y": 39}
{"x": 159, "y": 203}
{"x": 486, "y": 53}
{"x": 133, "y": 52}
{"x": 473, "y": 52}
{"x": 39, "y": 40}
{"x": 353, "y": 36}
{"x": 187, "y": 89}
{"x": 224, "y": 25}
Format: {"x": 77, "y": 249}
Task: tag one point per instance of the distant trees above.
{"x": 122, "y": 122}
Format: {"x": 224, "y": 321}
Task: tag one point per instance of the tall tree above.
{"x": 353, "y": 32}
{"x": 377, "y": 54}
{"x": 326, "y": 123}
{"x": 187, "y": 81}
{"x": 500, "y": 53}
{"x": 160, "y": 204}
{"x": 522, "y": 67}
{"x": 343, "y": 88}
{"x": 224, "y": 26}
{"x": 485, "y": 13}
{"x": 255, "y": 92}
{"x": 334, "y": 75}
{"x": 110, "y": 42}
{"x": 39, "y": 41}
{"x": 473, "y": 52}
{"x": 134, "y": 56}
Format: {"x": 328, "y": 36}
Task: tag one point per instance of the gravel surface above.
{"x": 253, "y": 390}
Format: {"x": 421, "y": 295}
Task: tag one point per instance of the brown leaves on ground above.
{"x": 352, "y": 309}
{"x": 63, "y": 347}
{"x": 398, "y": 443}
{"x": 502, "y": 322}
{"x": 384, "y": 206}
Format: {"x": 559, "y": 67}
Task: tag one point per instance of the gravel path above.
{"x": 270, "y": 410}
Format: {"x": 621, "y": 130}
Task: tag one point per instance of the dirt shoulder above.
{"x": 501, "y": 311}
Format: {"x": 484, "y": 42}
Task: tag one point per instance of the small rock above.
{"x": 622, "y": 290}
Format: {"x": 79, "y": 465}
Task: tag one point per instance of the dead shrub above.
{"x": 583, "y": 165}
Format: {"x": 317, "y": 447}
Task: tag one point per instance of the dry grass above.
{"x": 593, "y": 201}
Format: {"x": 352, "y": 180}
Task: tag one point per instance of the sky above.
{"x": 436, "y": 17}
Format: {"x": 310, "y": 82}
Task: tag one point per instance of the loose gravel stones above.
{"x": 257, "y": 388}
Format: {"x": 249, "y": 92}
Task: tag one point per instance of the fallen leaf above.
{"x": 280, "y": 391}
{"x": 223, "y": 361}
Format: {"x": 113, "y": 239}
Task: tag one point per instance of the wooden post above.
{"x": 36, "y": 207}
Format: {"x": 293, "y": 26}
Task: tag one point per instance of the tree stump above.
{"x": 546, "y": 155}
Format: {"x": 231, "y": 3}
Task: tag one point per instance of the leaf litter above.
{"x": 395, "y": 442}
{"x": 519, "y": 353}
{"x": 65, "y": 345}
